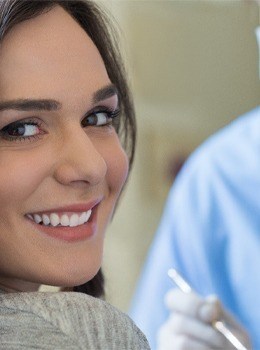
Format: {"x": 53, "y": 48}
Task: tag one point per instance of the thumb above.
{"x": 210, "y": 310}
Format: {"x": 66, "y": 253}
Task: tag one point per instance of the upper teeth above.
{"x": 53, "y": 219}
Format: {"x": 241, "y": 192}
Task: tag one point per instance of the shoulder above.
{"x": 78, "y": 319}
{"x": 243, "y": 129}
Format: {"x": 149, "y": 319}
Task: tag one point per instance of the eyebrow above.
{"x": 53, "y": 105}
{"x": 28, "y": 105}
{"x": 104, "y": 93}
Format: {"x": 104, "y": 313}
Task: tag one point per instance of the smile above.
{"x": 61, "y": 219}
{"x": 70, "y": 223}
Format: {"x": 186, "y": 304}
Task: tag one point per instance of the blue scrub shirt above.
{"x": 210, "y": 231}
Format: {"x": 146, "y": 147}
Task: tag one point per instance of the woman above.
{"x": 64, "y": 102}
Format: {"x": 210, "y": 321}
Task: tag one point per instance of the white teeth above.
{"x": 72, "y": 220}
{"x": 87, "y": 215}
{"x": 45, "y": 219}
{"x": 81, "y": 219}
{"x": 55, "y": 220}
{"x": 84, "y": 217}
{"x": 65, "y": 221}
{"x": 37, "y": 218}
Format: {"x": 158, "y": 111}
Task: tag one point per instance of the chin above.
{"x": 73, "y": 280}
{"x": 69, "y": 279}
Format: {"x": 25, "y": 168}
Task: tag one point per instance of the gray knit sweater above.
{"x": 65, "y": 321}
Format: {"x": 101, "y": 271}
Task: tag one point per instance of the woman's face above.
{"x": 60, "y": 158}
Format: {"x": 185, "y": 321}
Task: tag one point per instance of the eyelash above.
{"x": 107, "y": 120}
{"x": 18, "y": 124}
{"x": 110, "y": 117}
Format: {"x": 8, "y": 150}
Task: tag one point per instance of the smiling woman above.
{"x": 67, "y": 135}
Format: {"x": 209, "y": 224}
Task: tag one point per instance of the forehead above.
{"x": 47, "y": 54}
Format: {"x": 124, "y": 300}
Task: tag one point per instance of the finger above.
{"x": 211, "y": 310}
{"x": 181, "y": 342}
{"x": 187, "y": 303}
{"x": 184, "y": 343}
{"x": 207, "y": 310}
{"x": 181, "y": 324}
{"x": 192, "y": 305}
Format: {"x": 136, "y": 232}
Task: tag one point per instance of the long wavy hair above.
{"x": 99, "y": 27}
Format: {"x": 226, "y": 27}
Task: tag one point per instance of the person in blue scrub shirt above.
{"x": 209, "y": 232}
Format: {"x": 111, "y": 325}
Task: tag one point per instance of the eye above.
{"x": 21, "y": 130}
{"x": 100, "y": 118}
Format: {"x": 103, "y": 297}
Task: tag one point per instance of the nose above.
{"x": 79, "y": 160}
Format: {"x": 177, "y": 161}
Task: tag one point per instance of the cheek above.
{"x": 117, "y": 168}
{"x": 21, "y": 174}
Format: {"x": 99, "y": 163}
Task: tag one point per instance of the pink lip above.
{"x": 72, "y": 234}
{"x": 76, "y": 208}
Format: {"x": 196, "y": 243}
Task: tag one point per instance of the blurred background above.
{"x": 193, "y": 67}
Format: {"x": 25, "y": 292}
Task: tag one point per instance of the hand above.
{"x": 189, "y": 324}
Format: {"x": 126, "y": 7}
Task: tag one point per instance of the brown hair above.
{"x": 99, "y": 28}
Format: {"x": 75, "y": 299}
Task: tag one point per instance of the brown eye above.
{"x": 97, "y": 119}
{"x": 16, "y": 130}
{"x": 21, "y": 129}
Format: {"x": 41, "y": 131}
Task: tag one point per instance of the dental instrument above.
{"x": 218, "y": 325}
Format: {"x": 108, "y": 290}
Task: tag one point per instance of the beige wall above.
{"x": 193, "y": 66}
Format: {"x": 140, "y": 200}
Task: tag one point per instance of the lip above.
{"x": 71, "y": 234}
{"x": 76, "y": 208}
